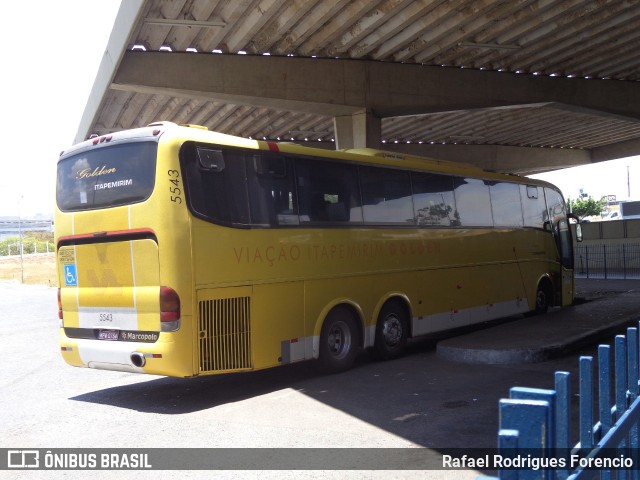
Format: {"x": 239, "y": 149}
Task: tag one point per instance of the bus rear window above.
{"x": 107, "y": 177}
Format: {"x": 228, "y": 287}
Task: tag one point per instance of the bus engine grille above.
{"x": 225, "y": 334}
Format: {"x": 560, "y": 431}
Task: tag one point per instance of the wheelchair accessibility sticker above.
{"x": 70, "y": 276}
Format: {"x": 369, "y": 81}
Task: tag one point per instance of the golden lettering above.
{"x": 96, "y": 172}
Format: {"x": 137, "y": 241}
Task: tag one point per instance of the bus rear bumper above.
{"x": 135, "y": 357}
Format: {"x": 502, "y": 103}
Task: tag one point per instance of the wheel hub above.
{"x": 392, "y": 330}
{"x": 339, "y": 340}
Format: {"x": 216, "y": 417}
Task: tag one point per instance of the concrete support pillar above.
{"x": 359, "y": 130}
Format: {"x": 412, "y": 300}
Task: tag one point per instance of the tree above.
{"x": 584, "y": 207}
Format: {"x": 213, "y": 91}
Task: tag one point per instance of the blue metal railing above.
{"x": 536, "y": 422}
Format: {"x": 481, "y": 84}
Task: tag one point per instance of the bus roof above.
{"x": 358, "y": 155}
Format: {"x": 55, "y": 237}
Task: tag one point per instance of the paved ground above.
{"x": 420, "y": 400}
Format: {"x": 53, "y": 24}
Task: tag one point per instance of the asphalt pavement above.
{"x": 602, "y": 308}
{"x": 420, "y": 400}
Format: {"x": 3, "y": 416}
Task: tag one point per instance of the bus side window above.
{"x": 473, "y": 202}
{"x": 555, "y": 205}
{"x": 433, "y": 201}
{"x": 271, "y": 190}
{"x": 533, "y": 206}
{"x": 386, "y": 195}
{"x": 505, "y": 204}
{"x": 328, "y": 192}
{"x": 215, "y": 183}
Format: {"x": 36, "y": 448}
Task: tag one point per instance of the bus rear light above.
{"x": 105, "y": 138}
{"x": 169, "y": 309}
{"x": 60, "y": 314}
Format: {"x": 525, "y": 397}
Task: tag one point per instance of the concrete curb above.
{"x": 540, "y": 338}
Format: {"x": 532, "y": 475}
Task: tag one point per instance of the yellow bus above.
{"x": 185, "y": 252}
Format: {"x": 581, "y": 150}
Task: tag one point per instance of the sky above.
{"x": 53, "y": 50}
{"x": 599, "y": 179}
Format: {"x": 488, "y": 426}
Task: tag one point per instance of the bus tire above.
{"x": 339, "y": 339}
{"x": 544, "y": 297}
{"x": 392, "y": 330}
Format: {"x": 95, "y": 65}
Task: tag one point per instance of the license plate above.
{"x": 108, "y": 334}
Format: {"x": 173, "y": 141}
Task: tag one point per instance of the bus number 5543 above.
{"x": 174, "y": 177}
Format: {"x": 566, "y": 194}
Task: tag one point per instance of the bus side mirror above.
{"x": 578, "y": 226}
{"x": 578, "y": 232}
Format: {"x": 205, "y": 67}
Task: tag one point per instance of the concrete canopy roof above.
{"x": 516, "y": 86}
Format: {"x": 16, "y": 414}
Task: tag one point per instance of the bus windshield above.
{"x": 107, "y": 177}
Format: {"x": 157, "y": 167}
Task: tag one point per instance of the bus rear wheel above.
{"x": 339, "y": 340}
{"x": 391, "y": 331}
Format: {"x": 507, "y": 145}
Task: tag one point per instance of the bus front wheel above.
{"x": 391, "y": 331}
{"x": 339, "y": 339}
{"x": 544, "y": 297}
